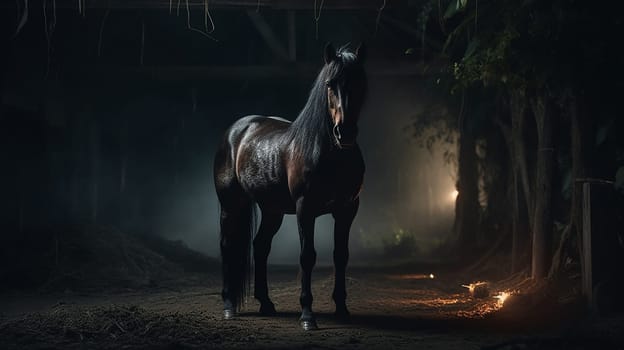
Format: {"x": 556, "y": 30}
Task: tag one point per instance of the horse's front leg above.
{"x": 343, "y": 217}
{"x": 307, "y": 259}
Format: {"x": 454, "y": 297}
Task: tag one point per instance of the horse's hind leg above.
{"x": 269, "y": 225}
{"x": 236, "y": 226}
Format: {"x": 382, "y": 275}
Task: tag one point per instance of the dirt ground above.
{"x": 389, "y": 311}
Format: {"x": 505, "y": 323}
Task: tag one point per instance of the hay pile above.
{"x": 96, "y": 258}
{"x": 113, "y": 327}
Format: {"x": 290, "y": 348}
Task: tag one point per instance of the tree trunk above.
{"x": 543, "y": 222}
{"x": 522, "y": 204}
{"x": 580, "y": 144}
{"x": 517, "y": 105}
{"x": 520, "y": 228}
{"x": 467, "y": 205}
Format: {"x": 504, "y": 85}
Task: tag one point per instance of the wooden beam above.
{"x": 375, "y": 70}
{"x": 283, "y": 71}
{"x": 229, "y": 72}
{"x": 268, "y": 35}
{"x": 233, "y": 4}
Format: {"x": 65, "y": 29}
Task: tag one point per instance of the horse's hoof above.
{"x": 308, "y": 325}
{"x": 228, "y": 314}
{"x": 267, "y": 309}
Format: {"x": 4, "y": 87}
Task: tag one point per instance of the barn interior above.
{"x": 491, "y": 209}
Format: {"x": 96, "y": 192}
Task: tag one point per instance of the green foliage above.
{"x": 488, "y": 64}
{"x": 455, "y": 7}
{"x": 409, "y": 244}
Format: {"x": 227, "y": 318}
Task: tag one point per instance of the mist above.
{"x": 159, "y": 145}
{"x": 491, "y": 205}
{"x": 407, "y": 188}
{"x": 102, "y": 139}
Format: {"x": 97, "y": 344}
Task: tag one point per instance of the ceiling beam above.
{"x": 233, "y": 4}
{"x": 298, "y": 70}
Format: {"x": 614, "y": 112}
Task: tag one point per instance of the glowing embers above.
{"x": 501, "y": 297}
{"x": 433, "y": 303}
{"x": 478, "y": 289}
{"x": 437, "y": 302}
{"x": 413, "y": 276}
{"x": 483, "y": 305}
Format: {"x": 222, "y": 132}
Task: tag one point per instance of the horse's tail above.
{"x": 237, "y": 231}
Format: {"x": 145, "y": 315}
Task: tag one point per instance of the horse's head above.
{"x": 346, "y": 91}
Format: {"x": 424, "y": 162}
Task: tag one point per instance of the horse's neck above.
{"x": 310, "y": 129}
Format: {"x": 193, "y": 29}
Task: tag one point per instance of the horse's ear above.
{"x": 330, "y": 53}
{"x": 360, "y": 52}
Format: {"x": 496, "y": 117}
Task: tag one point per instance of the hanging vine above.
{"x": 207, "y": 17}
{"x": 190, "y": 27}
{"x": 383, "y": 6}
{"x": 423, "y": 18}
{"x": 99, "y": 52}
{"x": 82, "y": 7}
{"x": 49, "y": 30}
{"x": 476, "y": 14}
{"x": 23, "y": 19}
{"x": 317, "y": 15}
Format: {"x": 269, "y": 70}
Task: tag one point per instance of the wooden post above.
{"x": 587, "y": 253}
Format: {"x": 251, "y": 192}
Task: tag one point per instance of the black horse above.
{"x": 310, "y": 167}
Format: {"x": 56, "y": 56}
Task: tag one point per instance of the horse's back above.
{"x": 254, "y": 125}
{"x": 249, "y": 157}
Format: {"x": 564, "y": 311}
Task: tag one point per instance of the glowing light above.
{"x": 501, "y": 297}
{"x": 472, "y": 286}
{"x": 454, "y": 195}
{"x": 413, "y": 277}
{"x": 478, "y": 289}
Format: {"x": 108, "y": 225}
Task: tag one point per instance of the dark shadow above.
{"x": 494, "y": 323}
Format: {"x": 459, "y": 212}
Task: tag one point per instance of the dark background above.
{"x": 491, "y": 135}
{"x": 111, "y": 118}
{"x": 483, "y": 122}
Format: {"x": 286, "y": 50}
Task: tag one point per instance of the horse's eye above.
{"x": 331, "y": 83}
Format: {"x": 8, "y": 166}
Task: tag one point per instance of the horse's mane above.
{"x": 311, "y": 131}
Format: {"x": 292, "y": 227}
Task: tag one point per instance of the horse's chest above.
{"x": 339, "y": 183}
